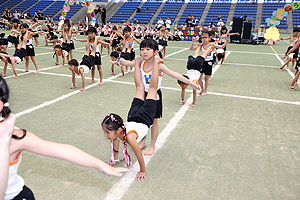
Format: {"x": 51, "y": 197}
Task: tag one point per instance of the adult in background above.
{"x": 159, "y": 23}
{"x": 220, "y": 24}
{"x": 194, "y": 21}
{"x": 27, "y": 15}
{"x": 103, "y": 15}
{"x": 188, "y": 21}
{"x": 168, "y": 24}
{"x": 40, "y": 15}
{"x": 87, "y": 19}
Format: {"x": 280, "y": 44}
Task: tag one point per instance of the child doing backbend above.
{"x": 205, "y": 43}
{"x": 149, "y": 48}
{"x": 292, "y": 56}
{"x": 194, "y": 66}
{"x": 92, "y": 32}
{"x": 22, "y": 140}
{"x": 140, "y": 118}
{"x": 88, "y": 61}
{"x": 19, "y": 55}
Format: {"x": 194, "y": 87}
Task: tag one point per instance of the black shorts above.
{"x": 162, "y": 42}
{"x": 36, "y": 35}
{"x": 125, "y": 56}
{"x": 21, "y": 53}
{"x": 159, "y": 106}
{"x": 295, "y": 52}
{"x": 66, "y": 47}
{"x": 97, "y": 58}
{"x": 13, "y": 39}
{"x": 115, "y": 42}
{"x": 132, "y": 54}
{"x": 207, "y": 68}
{"x": 195, "y": 63}
{"x": 26, "y": 193}
{"x": 72, "y": 44}
{"x": 221, "y": 43}
{"x": 142, "y": 111}
{"x": 30, "y": 50}
{"x": 89, "y": 61}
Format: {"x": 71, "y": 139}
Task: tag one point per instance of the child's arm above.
{"x": 220, "y": 46}
{"x": 134, "y": 38}
{"x": 73, "y": 81}
{"x": 83, "y": 80}
{"x": 192, "y": 44}
{"x": 131, "y": 140}
{"x": 292, "y": 49}
{"x": 182, "y": 102}
{"x": 66, "y": 152}
{"x": 287, "y": 38}
{"x": 6, "y": 129}
{"x": 123, "y": 63}
{"x": 178, "y": 76}
{"x": 37, "y": 32}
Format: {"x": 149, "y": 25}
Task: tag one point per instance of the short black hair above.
{"x": 15, "y": 21}
{"x": 55, "y": 37}
{"x": 92, "y": 29}
{"x": 149, "y": 42}
{"x": 57, "y": 46}
{"x": 127, "y": 29}
{"x": 180, "y": 82}
{"x": 73, "y": 62}
{"x": 114, "y": 54}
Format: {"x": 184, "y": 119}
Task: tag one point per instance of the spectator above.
{"x": 35, "y": 16}
{"x": 40, "y": 15}
{"x": 194, "y": 21}
{"x": 6, "y": 15}
{"x": 177, "y": 34}
{"x": 48, "y": 18}
{"x": 188, "y": 21}
{"x": 168, "y": 24}
{"x": 220, "y": 24}
{"x": 27, "y": 15}
{"x": 212, "y": 23}
{"x": 16, "y": 15}
{"x": 87, "y": 19}
{"x": 103, "y": 15}
{"x": 20, "y": 15}
{"x": 160, "y": 22}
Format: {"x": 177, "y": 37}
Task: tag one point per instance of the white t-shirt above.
{"x": 193, "y": 75}
{"x": 160, "y": 23}
{"x": 140, "y": 129}
{"x": 168, "y": 23}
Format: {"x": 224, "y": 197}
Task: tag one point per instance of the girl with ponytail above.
{"x": 140, "y": 118}
{"x": 22, "y": 140}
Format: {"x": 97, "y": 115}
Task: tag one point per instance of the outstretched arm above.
{"x": 192, "y": 44}
{"x": 66, "y": 152}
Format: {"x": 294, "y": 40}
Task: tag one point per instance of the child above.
{"x": 23, "y": 140}
{"x": 105, "y": 46}
{"x": 140, "y": 118}
{"x": 92, "y": 31}
{"x": 88, "y": 61}
{"x": 114, "y": 39}
{"x": 163, "y": 35}
{"x": 18, "y": 56}
{"x": 6, "y": 129}
{"x": 128, "y": 45}
{"x": 194, "y": 66}
{"x": 204, "y": 43}
{"x": 293, "y": 56}
{"x": 13, "y": 37}
{"x": 58, "y": 51}
{"x": 149, "y": 48}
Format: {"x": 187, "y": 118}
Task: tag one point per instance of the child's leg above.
{"x": 14, "y": 68}
{"x": 71, "y": 54}
{"x": 164, "y": 49}
{"x": 200, "y": 83}
{"x": 152, "y": 91}
{"x": 206, "y": 79}
{"x": 5, "y": 69}
{"x": 112, "y": 70}
{"x": 140, "y": 88}
{"x": 87, "y": 48}
{"x": 93, "y": 75}
{"x": 293, "y": 63}
{"x": 26, "y": 64}
{"x": 123, "y": 73}
{"x": 35, "y": 64}
{"x": 37, "y": 44}
{"x": 154, "y": 135}
{"x": 100, "y": 74}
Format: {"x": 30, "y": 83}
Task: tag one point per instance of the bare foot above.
{"x": 199, "y": 92}
{"x": 126, "y": 70}
{"x": 15, "y": 77}
{"x": 101, "y": 83}
{"x": 203, "y": 94}
{"x": 142, "y": 145}
{"x": 91, "y": 82}
{"x": 25, "y": 71}
{"x": 130, "y": 71}
{"x": 192, "y": 105}
{"x": 36, "y": 72}
{"x": 149, "y": 151}
{"x": 113, "y": 74}
{"x": 122, "y": 76}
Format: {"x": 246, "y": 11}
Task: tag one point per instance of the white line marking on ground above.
{"x": 246, "y": 52}
{"x": 282, "y": 63}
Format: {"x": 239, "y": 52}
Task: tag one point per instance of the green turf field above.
{"x": 241, "y": 141}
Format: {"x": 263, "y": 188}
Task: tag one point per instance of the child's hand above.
{"x": 140, "y": 176}
{"x": 139, "y": 59}
{"x": 194, "y": 39}
{"x": 284, "y": 57}
{"x": 158, "y": 59}
{"x": 82, "y": 89}
{"x": 195, "y": 86}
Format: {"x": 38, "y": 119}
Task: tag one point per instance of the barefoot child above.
{"x": 22, "y": 140}
{"x": 19, "y": 55}
{"x": 58, "y": 51}
{"x": 140, "y": 118}
{"x": 194, "y": 66}
{"x": 128, "y": 45}
{"x": 88, "y": 61}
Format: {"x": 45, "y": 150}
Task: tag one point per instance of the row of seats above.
{"x": 169, "y": 10}
{"x": 146, "y": 13}
{"x": 192, "y": 8}
{"x": 124, "y": 12}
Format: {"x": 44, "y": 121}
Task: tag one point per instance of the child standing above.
{"x": 88, "y": 61}
{"x": 140, "y": 118}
